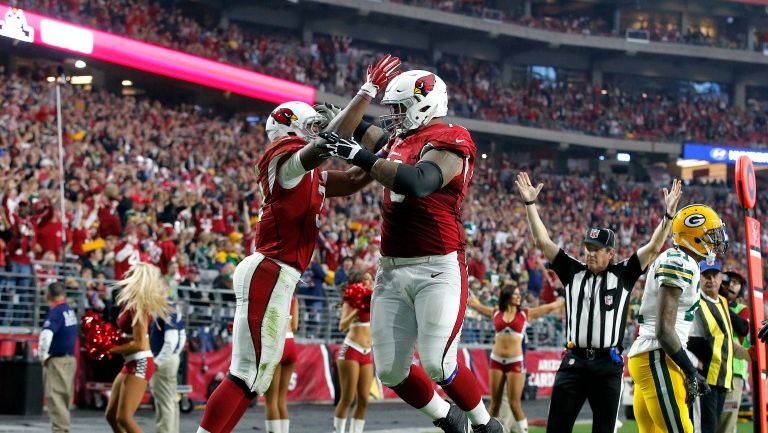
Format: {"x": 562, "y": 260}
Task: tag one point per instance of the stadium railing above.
{"x": 209, "y": 311}
{"x": 550, "y": 37}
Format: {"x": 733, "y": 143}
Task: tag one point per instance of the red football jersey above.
{"x": 430, "y": 225}
{"x": 289, "y": 220}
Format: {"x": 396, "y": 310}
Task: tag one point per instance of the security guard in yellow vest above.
{"x": 732, "y": 288}
{"x": 711, "y": 341}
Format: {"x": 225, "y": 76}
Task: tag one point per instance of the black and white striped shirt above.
{"x": 596, "y": 304}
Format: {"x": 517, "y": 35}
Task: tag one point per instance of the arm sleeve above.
{"x": 44, "y": 344}
{"x": 418, "y": 181}
{"x": 291, "y": 172}
{"x": 701, "y": 349}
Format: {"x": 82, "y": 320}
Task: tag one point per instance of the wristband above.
{"x": 360, "y": 130}
{"x": 367, "y": 91}
{"x": 365, "y": 159}
{"x": 528, "y": 203}
{"x": 682, "y": 361}
{"x": 668, "y": 216}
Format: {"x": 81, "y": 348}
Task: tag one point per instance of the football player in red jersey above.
{"x": 420, "y": 294}
{"x": 294, "y": 190}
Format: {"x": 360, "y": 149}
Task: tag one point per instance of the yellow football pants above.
{"x": 659, "y": 400}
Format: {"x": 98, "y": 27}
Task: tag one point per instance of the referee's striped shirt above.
{"x": 596, "y": 304}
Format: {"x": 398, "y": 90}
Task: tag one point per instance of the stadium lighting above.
{"x": 685, "y": 163}
{"x": 484, "y": 155}
{"x": 127, "y": 83}
{"x": 645, "y": 95}
{"x": 623, "y": 157}
{"x": 81, "y": 79}
{"x": 79, "y": 64}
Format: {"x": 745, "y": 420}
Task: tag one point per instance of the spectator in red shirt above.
{"x": 475, "y": 265}
{"x": 48, "y": 230}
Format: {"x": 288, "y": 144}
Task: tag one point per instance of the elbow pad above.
{"x": 418, "y": 181}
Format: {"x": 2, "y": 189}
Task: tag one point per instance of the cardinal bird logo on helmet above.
{"x": 424, "y": 85}
{"x": 284, "y": 116}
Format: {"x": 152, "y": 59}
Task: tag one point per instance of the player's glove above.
{"x": 344, "y": 148}
{"x": 347, "y": 149}
{"x": 328, "y": 112}
{"x": 378, "y": 76}
{"x": 695, "y": 386}
{"x": 763, "y": 334}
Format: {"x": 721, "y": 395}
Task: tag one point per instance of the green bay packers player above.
{"x": 666, "y": 382}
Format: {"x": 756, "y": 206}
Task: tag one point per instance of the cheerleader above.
{"x": 276, "y": 406}
{"x": 142, "y": 296}
{"x": 506, "y": 365}
{"x": 355, "y": 361}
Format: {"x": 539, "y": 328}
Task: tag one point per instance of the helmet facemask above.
{"x": 715, "y": 241}
{"x": 397, "y": 120}
{"x": 311, "y": 127}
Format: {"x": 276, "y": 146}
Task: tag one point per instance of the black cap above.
{"x": 603, "y": 238}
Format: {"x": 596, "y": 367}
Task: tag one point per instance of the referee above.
{"x": 597, "y": 292}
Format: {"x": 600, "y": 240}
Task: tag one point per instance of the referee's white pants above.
{"x": 163, "y": 385}
{"x": 419, "y": 302}
{"x": 263, "y": 289}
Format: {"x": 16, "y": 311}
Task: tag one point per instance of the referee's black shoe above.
{"x": 493, "y": 426}
{"x": 455, "y": 422}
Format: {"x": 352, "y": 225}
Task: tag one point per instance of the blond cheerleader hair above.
{"x": 143, "y": 290}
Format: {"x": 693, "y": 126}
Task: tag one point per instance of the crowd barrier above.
{"x": 208, "y": 311}
{"x": 313, "y": 379}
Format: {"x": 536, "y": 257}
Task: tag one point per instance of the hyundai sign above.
{"x": 722, "y": 154}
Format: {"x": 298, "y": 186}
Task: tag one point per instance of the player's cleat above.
{"x": 493, "y": 426}
{"x": 455, "y": 422}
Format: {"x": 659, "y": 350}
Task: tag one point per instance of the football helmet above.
{"x": 699, "y": 229}
{"x": 293, "y": 118}
{"x": 414, "y": 98}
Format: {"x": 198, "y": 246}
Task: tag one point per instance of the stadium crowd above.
{"x": 478, "y": 88}
{"x": 175, "y": 185}
{"x": 586, "y": 24}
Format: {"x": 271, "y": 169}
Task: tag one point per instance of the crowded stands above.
{"x": 174, "y": 185}
{"x": 478, "y": 88}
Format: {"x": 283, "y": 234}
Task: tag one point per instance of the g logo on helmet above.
{"x": 424, "y": 85}
{"x": 284, "y": 116}
{"x": 694, "y": 220}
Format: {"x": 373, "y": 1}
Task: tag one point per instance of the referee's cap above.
{"x": 601, "y": 237}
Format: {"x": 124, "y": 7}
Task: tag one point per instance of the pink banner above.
{"x": 27, "y": 26}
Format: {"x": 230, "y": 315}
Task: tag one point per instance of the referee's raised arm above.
{"x": 540, "y": 236}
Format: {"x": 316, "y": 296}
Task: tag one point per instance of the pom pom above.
{"x": 359, "y": 297}
{"x": 99, "y": 336}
